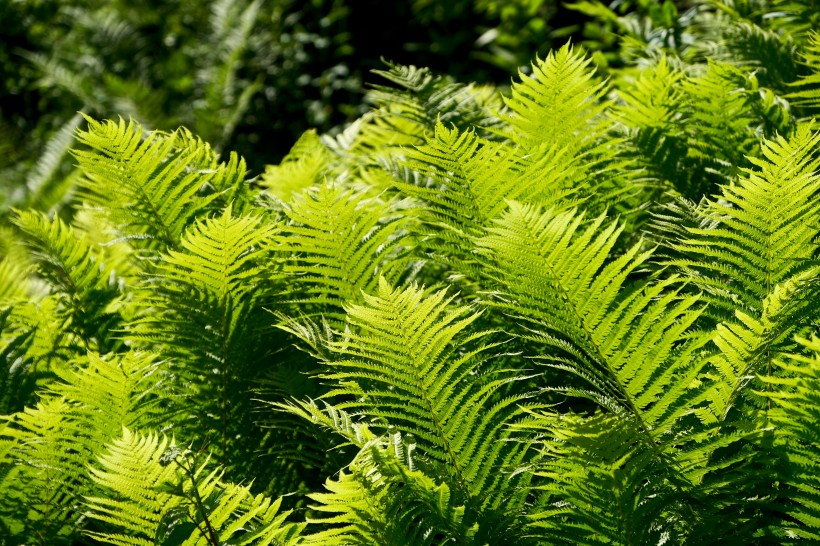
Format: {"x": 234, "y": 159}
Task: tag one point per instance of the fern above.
{"x": 409, "y": 359}
{"x": 336, "y": 244}
{"x": 164, "y": 495}
{"x": 764, "y": 228}
{"x": 51, "y": 444}
{"x": 796, "y": 407}
{"x": 206, "y": 300}
{"x": 149, "y": 189}
{"x": 69, "y": 264}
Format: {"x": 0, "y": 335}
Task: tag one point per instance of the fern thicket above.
{"x": 575, "y": 313}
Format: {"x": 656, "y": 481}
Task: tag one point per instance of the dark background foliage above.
{"x": 299, "y": 65}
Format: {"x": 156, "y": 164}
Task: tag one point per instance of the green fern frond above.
{"x": 383, "y": 500}
{"x": 155, "y": 492}
{"x": 407, "y": 116}
{"x": 206, "y": 316}
{"x": 794, "y": 393}
{"x": 634, "y": 344}
{"x": 151, "y": 188}
{"x": 302, "y": 168}
{"x": 470, "y": 179}
{"x": 558, "y": 111}
{"x": 68, "y": 263}
{"x": 336, "y": 244}
{"x": 807, "y": 88}
{"x": 53, "y": 442}
{"x": 597, "y": 488}
{"x": 762, "y": 230}
{"x": 749, "y": 346}
{"x": 41, "y": 179}
{"x": 558, "y": 105}
{"x": 410, "y": 359}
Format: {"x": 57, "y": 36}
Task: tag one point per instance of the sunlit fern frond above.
{"x": 53, "y": 442}
{"x": 155, "y": 491}
{"x": 74, "y": 272}
{"x": 335, "y": 245}
{"x": 207, "y": 318}
{"x": 463, "y": 182}
{"x": 795, "y": 393}
{"x": 153, "y": 189}
{"x": 558, "y": 104}
{"x": 558, "y": 111}
{"x": 412, "y": 360}
{"x": 303, "y": 167}
{"x": 761, "y": 231}
{"x": 556, "y": 275}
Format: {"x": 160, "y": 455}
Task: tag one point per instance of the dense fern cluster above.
{"x": 581, "y": 313}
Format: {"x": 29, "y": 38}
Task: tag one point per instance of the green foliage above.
{"x": 576, "y": 313}
{"x": 165, "y": 495}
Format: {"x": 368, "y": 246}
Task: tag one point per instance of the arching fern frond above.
{"x": 411, "y": 359}
{"x": 795, "y": 395}
{"x": 762, "y": 231}
{"x": 207, "y": 318}
{"x": 52, "y": 443}
{"x": 558, "y": 111}
{"x": 151, "y": 188}
{"x": 72, "y": 268}
{"x": 156, "y": 492}
{"x": 633, "y": 344}
{"x": 336, "y": 244}
{"x": 472, "y": 179}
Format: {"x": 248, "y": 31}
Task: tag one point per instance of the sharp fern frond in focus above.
{"x": 207, "y": 318}
{"x": 158, "y": 492}
{"x": 72, "y": 268}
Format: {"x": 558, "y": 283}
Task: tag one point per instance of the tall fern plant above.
{"x": 571, "y": 315}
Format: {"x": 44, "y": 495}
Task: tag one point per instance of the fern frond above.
{"x": 558, "y": 104}
{"x": 53, "y": 442}
{"x": 72, "y": 268}
{"x": 410, "y": 359}
{"x": 381, "y": 499}
{"x": 633, "y": 343}
{"x": 151, "y": 188}
{"x": 558, "y": 111}
{"x": 336, "y": 244}
{"x": 807, "y": 88}
{"x": 157, "y": 492}
{"x": 302, "y": 168}
{"x": 407, "y": 116}
{"x": 597, "y": 488}
{"x": 207, "y": 317}
{"x": 762, "y": 230}
{"x": 47, "y": 167}
{"x": 471, "y": 179}
{"x": 796, "y": 412}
